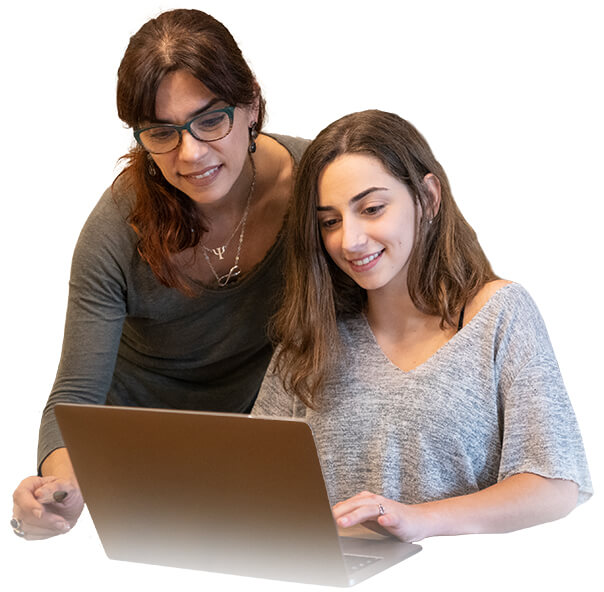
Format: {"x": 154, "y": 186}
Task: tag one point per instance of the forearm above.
{"x": 517, "y": 502}
{"x": 58, "y": 464}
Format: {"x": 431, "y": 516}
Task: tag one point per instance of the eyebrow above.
{"x": 194, "y": 114}
{"x": 355, "y": 198}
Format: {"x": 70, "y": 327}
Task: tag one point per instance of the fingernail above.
{"x": 37, "y": 514}
{"x": 59, "y": 496}
{"x": 63, "y": 526}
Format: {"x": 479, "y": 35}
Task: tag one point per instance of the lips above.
{"x": 366, "y": 262}
{"x": 203, "y": 177}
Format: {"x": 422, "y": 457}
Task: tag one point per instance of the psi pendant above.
{"x": 219, "y": 252}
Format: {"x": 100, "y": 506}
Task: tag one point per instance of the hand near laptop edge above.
{"x": 517, "y": 502}
{"x": 49, "y": 505}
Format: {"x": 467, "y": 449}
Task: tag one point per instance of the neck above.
{"x": 231, "y": 206}
{"x": 390, "y": 310}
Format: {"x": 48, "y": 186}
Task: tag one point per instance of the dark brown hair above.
{"x": 447, "y": 266}
{"x": 165, "y": 219}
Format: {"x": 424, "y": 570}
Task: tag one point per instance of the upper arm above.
{"x": 540, "y": 433}
{"x": 96, "y": 311}
{"x": 273, "y": 399}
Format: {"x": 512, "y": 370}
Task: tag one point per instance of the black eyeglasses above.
{"x": 207, "y": 127}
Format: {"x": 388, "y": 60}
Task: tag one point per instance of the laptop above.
{"x": 218, "y": 492}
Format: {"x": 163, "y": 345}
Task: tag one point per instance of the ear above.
{"x": 432, "y": 184}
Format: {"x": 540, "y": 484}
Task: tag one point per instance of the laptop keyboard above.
{"x": 356, "y": 562}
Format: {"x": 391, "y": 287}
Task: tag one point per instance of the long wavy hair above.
{"x": 447, "y": 265}
{"x": 164, "y": 218}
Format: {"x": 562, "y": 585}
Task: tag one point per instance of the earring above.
{"x": 253, "y": 136}
{"x": 151, "y": 166}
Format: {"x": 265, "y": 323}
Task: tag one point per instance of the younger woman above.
{"x": 430, "y": 384}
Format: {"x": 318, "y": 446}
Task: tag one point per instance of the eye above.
{"x": 374, "y": 210}
{"x": 211, "y": 121}
{"x": 160, "y": 134}
{"x": 328, "y": 223}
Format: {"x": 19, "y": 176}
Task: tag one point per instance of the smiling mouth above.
{"x": 205, "y": 174}
{"x": 366, "y": 260}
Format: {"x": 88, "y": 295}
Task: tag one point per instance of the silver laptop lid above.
{"x": 212, "y": 491}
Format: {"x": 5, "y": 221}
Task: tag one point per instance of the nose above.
{"x": 191, "y": 149}
{"x": 353, "y": 236}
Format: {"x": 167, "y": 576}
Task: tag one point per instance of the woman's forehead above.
{"x": 179, "y": 96}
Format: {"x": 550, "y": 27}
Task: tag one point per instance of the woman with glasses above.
{"x": 179, "y": 265}
{"x": 430, "y": 384}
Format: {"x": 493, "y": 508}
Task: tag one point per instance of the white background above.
{"x": 510, "y": 97}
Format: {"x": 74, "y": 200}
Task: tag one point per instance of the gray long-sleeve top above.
{"x": 131, "y": 341}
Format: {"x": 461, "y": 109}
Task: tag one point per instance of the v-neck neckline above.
{"x": 445, "y": 346}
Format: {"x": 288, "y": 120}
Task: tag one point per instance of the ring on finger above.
{"x": 16, "y": 526}
{"x": 381, "y": 510}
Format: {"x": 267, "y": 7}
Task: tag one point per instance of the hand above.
{"x": 46, "y": 506}
{"x": 406, "y": 522}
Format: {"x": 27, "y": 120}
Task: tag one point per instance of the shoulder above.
{"x": 293, "y": 144}
{"x": 500, "y": 296}
{"x": 114, "y": 206}
{"x": 107, "y": 227}
{"x": 474, "y": 306}
{"x": 506, "y": 317}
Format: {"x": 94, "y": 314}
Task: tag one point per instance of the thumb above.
{"x": 53, "y": 490}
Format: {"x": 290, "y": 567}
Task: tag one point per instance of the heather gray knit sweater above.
{"x": 489, "y": 404}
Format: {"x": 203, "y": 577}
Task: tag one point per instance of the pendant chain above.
{"x": 223, "y": 280}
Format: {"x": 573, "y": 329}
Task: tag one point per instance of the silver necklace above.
{"x": 223, "y": 280}
{"x": 219, "y": 251}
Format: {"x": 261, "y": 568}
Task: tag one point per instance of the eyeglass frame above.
{"x": 229, "y": 110}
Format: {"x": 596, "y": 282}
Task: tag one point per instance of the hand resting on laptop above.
{"x": 498, "y": 508}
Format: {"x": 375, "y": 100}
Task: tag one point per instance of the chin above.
{"x": 208, "y": 196}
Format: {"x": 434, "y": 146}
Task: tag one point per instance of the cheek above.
{"x": 239, "y": 138}
{"x": 407, "y": 238}
{"x": 162, "y": 163}
{"x": 233, "y": 149}
{"x": 329, "y": 243}
{"x": 406, "y": 232}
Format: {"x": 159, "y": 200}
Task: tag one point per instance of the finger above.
{"x": 54, "y": 491}
{"x": 389, "y": 521}
{"x": 365, "y": 498}
{"x": 358, "y": 498}
{"x": 50, "y": 522}
{"x": 375, "y": 527}
{"x": 49, "y": 525}
{"x": 359, "y": 514}
{"x": 344, "y": 508}
{"x": 36, "y": 533}
{"x": 59, "y": 496}
{"x": 25, "y": 503}
{"x": 28, "y": 511}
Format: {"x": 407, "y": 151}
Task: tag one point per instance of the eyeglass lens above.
{"x": 207, "y": 127}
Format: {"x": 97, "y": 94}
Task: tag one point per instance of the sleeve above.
{"x": 274, "y": 400}
{"x": 540, "y": 431}
{"x": 95, "y": 314}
